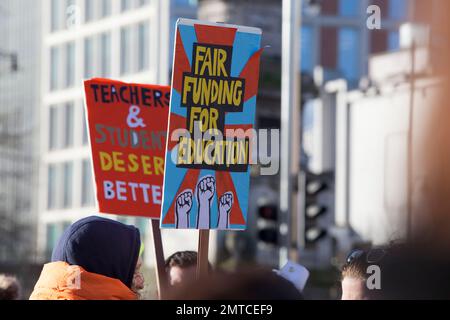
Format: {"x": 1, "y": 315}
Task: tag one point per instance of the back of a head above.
{"x": 355, "y": 274}
{"x": 250, "y": 284}
{"x": 102, "y": 246}
{"x": 416, "y": 271}
{"x": 9, "y": 288}
{"x": 181, "y": 259}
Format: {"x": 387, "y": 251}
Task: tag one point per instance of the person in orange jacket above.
{"x": 95, "y": 259}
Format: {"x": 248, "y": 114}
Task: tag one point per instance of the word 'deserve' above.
{"x": 132, "y": 163}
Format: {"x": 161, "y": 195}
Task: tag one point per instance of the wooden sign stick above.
{"x": 161, "y": 277}
{"x": 202, "y": 256}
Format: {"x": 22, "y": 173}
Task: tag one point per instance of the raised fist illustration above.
{"x": 225, "y": 204}
{"x": 206, "y": 188}
{"x": 183, "y": 208}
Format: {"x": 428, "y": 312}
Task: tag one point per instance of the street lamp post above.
{"x": 290, "y": 122}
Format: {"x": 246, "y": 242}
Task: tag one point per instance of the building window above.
{"x": 186, "y": 3}
{"x": 327, "y": 8}
{"x": 378, "y": 41}
{"x": 349, "y": 8}
{"x": 89, "y": 8}
{"x": 125, "y": 5}
{"x": 51, "y": 187}
{"x": 87, "y": 191}
{"x": 143, "y": 2}
{"x": 398, "y": 9}
{"x": 53, "y": 125}
{"x": 393, "y": 41}
{"x": 88, "y": 58}
{"x": 54, "y": 65}
{"x": 348, "y": 53}
{"x": 307, "y": 44}
{"x": 142, "y": 225}
{"x": 70, "y": 64}
{"x": 51, "y": 235}
{"x": 106, "y": 8}
{"x": 55, "y": 15}
{"x": 328, "y": 47}
{"x": 68, "y": 124}
{"x": 69, "y": 14}
{"x": 65, "y": 225}
{"x": 105, "y": 54}
{"x": 125, "y": 49}
{"x": 67, "y": 184}
{"x": 85, "y": 129}
{"x": 143, "y": 46}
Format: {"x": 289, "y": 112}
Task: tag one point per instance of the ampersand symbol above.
{"x": 132, "y": 120}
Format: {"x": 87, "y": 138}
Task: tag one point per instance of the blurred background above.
{"x": 364, "y": 70}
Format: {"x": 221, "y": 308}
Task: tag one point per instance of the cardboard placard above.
{"x": 214, "y": 87}
{"x": 127, "y": 126}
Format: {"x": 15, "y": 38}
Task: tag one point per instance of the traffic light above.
{"x": 315, "y": 208}
{"x": 267, "y": 224}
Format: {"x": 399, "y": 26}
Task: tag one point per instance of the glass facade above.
{"x": 51, "y": 186}
{"x": 88, "y": 57}
{"x": 70, "y": 64}
{"x": 125, "y": 49}
{"x": 143, "y": 46}
{"x": 307, "y": 49}
{"x": 398, "y": 9}
{"x": 349, "y": 8}
{"x": 67, "y": 183}
{"x": 68, "y": 124}
{"x": 348, "y": 53}
{"x": 87, "y": 190}
{"x": 53, "y": 129}
{"x": 105, "y": 54}
{"x": 54, "y": 68}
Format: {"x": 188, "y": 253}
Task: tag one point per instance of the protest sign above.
{"x": 127, "y": 125}
{"x": 213, "y": 101}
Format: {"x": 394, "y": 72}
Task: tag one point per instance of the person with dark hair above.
{"x": 181, "y": 267}
{"x": 354, "y": 277}
{"x": 247, "y": 284}
{"x": 95, "y": 259}
{"x": 356, "y": 272}
{"x": 9, "y": 287}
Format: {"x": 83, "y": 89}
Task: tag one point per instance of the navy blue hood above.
{"x": 101, "y": 246}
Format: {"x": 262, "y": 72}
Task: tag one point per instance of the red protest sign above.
{"x": 127, "y": 131}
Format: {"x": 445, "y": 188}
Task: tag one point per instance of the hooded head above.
{"x": 101, "y": 246}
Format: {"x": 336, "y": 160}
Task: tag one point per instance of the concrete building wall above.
{"x": 19, "y": 105}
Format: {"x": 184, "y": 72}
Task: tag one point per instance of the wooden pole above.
{"x": 410, "y": 178}
{"x": 161, "y": 277}
{"x": 202, "y": 256}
